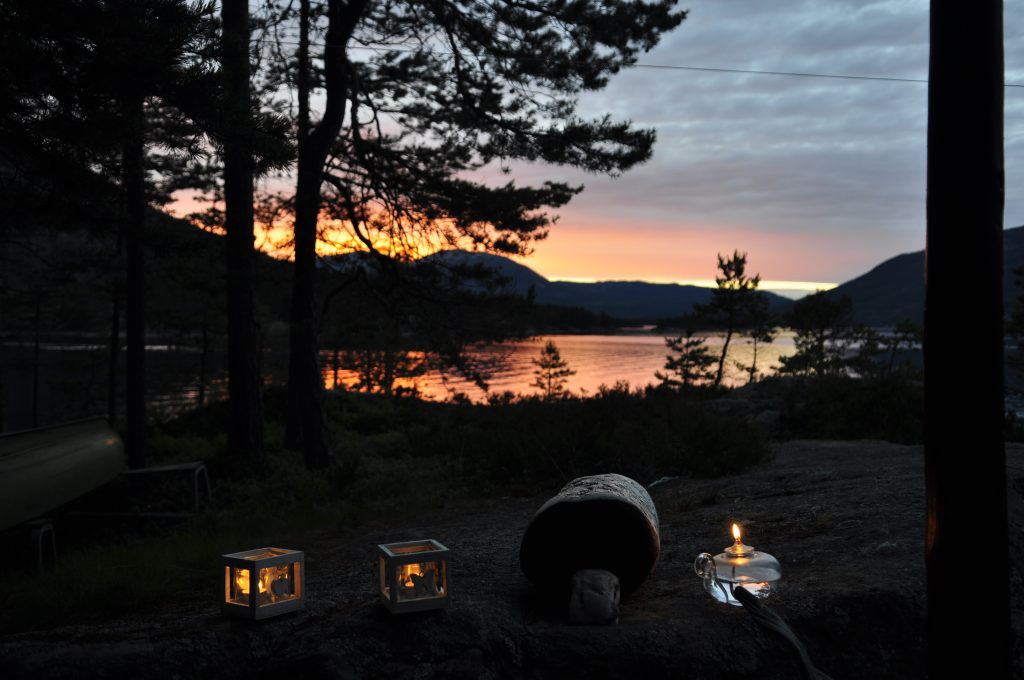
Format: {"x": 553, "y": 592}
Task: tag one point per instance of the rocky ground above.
{"x": 845, "y": 519}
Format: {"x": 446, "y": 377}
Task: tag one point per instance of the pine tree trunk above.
{"x": 293, "y": 424}
{"x": 389, "y": 366}
{"x": 721, "y": 359}
{"x": 133, "y": 181}
{"x": 336, "y": 367}
{"x": 305, "y": 387}
{"x": 753, "y": 363}
{"x": 204, "y": 352}
{"x": 245, "y": 429}
{"x": 115, "y": 338}
{"x": 36, "y": 343}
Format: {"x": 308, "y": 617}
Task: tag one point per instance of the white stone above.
{"x": 595, "y": 597}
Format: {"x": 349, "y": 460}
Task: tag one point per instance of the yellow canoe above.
{"x": 45, "y": 468}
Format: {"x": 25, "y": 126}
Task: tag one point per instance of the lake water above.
{"x": 72, "y": 378}
{"x": 597, "y": 359}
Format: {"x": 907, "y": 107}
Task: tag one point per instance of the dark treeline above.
{"x": 110, "y": 106}
{"x": 844, "y": 380}
{"x": 828, "y": 342}
{"x": 59, "y": 352}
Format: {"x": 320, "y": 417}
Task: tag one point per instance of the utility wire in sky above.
{"x": 707, "y": 69}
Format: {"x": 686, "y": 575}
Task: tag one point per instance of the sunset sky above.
{"x": 817, "y": 179}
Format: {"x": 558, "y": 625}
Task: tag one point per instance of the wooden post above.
{"x": 965, "y": 463}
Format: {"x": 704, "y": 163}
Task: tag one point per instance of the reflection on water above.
{"x": 597, "y": 359}
{"x": 67, "y": 380}
{"x": 70, "y": 380}
{"x": 373, "y": 370}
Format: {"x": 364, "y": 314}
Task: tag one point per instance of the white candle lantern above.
{"x": 413, "y": 576}
{"x": 263, "y": 582}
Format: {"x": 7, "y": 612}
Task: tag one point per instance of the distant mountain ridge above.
{"x": 632, "y": 301}
{"x": 894, "y": 290}
{"x": 891, "y": 292}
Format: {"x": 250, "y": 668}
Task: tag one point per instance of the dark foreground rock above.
{"x": 845, "y": 519}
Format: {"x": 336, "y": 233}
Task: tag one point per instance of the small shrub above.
{"x": 839, "y": 407}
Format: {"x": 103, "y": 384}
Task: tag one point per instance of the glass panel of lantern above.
{"x": 413, "y": 576}
{"x": 263, "y": 582}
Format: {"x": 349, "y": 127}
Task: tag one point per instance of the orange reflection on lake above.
{"x": 597, "y": 359}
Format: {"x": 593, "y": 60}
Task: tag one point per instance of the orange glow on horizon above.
{"x": 337, "y": 237}
{"x": 686, "y": 254}
{"x": 766, "y": 284}
{"x": 334, "y": 236}
{"x": 595, "y": 251}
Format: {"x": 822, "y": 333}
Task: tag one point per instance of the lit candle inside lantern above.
{"x": 406, "y": 575}
{"x": 274, "y": 583}
{"x": 242, "y": 580}
{"x": 413, "y": 575}
{"x": 278, "y": 575}
{"x": 737, "y": 565}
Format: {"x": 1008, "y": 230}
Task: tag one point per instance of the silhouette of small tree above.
{"x": 690, "y": 366}
{"x": 822, "y": 324}
{"x": 878, "y": 353}
{"x": 552, "y": 372}
{"x": 731, "y": 301}
{"x": 761, "y": 328}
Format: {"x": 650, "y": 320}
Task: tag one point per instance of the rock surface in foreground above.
{"x": 845, "y": 519}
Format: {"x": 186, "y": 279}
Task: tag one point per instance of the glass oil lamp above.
{"x": 413, "y": 576}
{"x": 737, "y": 565}
{"x": 263, "y": 582}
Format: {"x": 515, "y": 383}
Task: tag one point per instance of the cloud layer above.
{"x": 819, "y": 179}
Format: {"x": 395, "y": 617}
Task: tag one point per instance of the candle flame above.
{"x": 266, "y": 577}
{"x": 406, "y": 572}
{"x": 736, "y": 532}
{"x": 242, "y": 582}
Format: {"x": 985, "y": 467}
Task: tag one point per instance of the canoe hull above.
{"x": 40, "y": 470}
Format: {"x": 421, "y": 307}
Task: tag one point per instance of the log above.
{"x": 604, "y": 522}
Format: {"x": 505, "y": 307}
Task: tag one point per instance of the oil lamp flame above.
{"x": 738, "y": 549}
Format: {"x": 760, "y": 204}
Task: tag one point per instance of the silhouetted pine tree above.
{"x": 731, "y": 301}
{"x": 690, "y": 365}
{"x": 245, "y": 429}
{"x": 401, "y": 128}
{"x": 822, "y": 324}
{"x": 81, "y": 110}
{"x": 552, "y": 372}
{"x": 117, "y": 91}
{"x": 761, "y": 327}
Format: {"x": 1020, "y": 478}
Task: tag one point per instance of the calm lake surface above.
{"x": 597, "y": 359}
{"x": 65, "y": 380}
